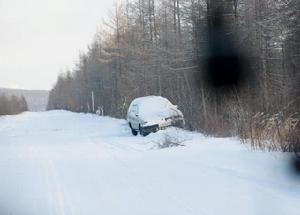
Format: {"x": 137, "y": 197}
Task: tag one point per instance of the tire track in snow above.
{"x": 59, "y": 202}
{"x": 62, "y": 200}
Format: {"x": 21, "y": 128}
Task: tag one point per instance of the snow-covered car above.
{"x": 151, "y": 113}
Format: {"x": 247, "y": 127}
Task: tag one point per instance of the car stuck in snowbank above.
{"x": 152, "y": 113}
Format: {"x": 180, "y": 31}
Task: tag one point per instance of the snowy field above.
{"x": 65, "y": 163}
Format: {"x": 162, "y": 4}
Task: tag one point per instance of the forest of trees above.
{"x": 159, "y": 47}
{"x": 11, "y": 105}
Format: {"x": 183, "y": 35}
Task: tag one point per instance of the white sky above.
{"x": 40, "y": 38}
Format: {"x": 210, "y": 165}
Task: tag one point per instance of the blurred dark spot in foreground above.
{"x": 295, "y": 159}
{"x": 224, "y": 64}
{"x": 295, "y": 164}
{"x": 224, "y": 71}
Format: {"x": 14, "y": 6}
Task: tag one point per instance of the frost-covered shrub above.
{"x": 273, "y": 132}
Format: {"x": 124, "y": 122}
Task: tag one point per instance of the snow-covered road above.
{"x": 65, "y": 163}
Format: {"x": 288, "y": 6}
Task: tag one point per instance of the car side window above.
{"x": 134, "y": 109}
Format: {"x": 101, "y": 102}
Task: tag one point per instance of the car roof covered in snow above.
{"x": 151, "y": 101}
{"x": 154, "y": 99}
{"x": 151, "y": 104}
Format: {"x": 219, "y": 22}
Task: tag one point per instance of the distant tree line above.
{"x": 157, "y": 47}
{"x": 11, "y": 105}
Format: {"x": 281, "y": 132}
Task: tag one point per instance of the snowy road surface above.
{"x": 64, "y": 163}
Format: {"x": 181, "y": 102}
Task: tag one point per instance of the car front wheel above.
{"x": 133, "y": 131}
{"x": 143, "y": 132}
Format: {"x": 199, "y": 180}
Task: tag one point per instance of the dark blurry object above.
{"x": 296, "y": 163}
{"x": 224, "y": 64}
{"x": 224, "y": 71}
{"x": 294, "y": 142}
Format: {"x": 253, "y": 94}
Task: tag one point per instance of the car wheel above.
{"x": 181, "y": 124}
{"x": 142, "y": 132}
{"x": 178, "y": 123}
{"x": 133, "y": 131}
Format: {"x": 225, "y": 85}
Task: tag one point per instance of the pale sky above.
{"x": 40, "y": 38}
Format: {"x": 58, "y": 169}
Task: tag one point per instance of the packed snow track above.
{"x": 62, "y": 163}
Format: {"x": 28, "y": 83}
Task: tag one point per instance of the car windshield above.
{"x": 154, "y": 106}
